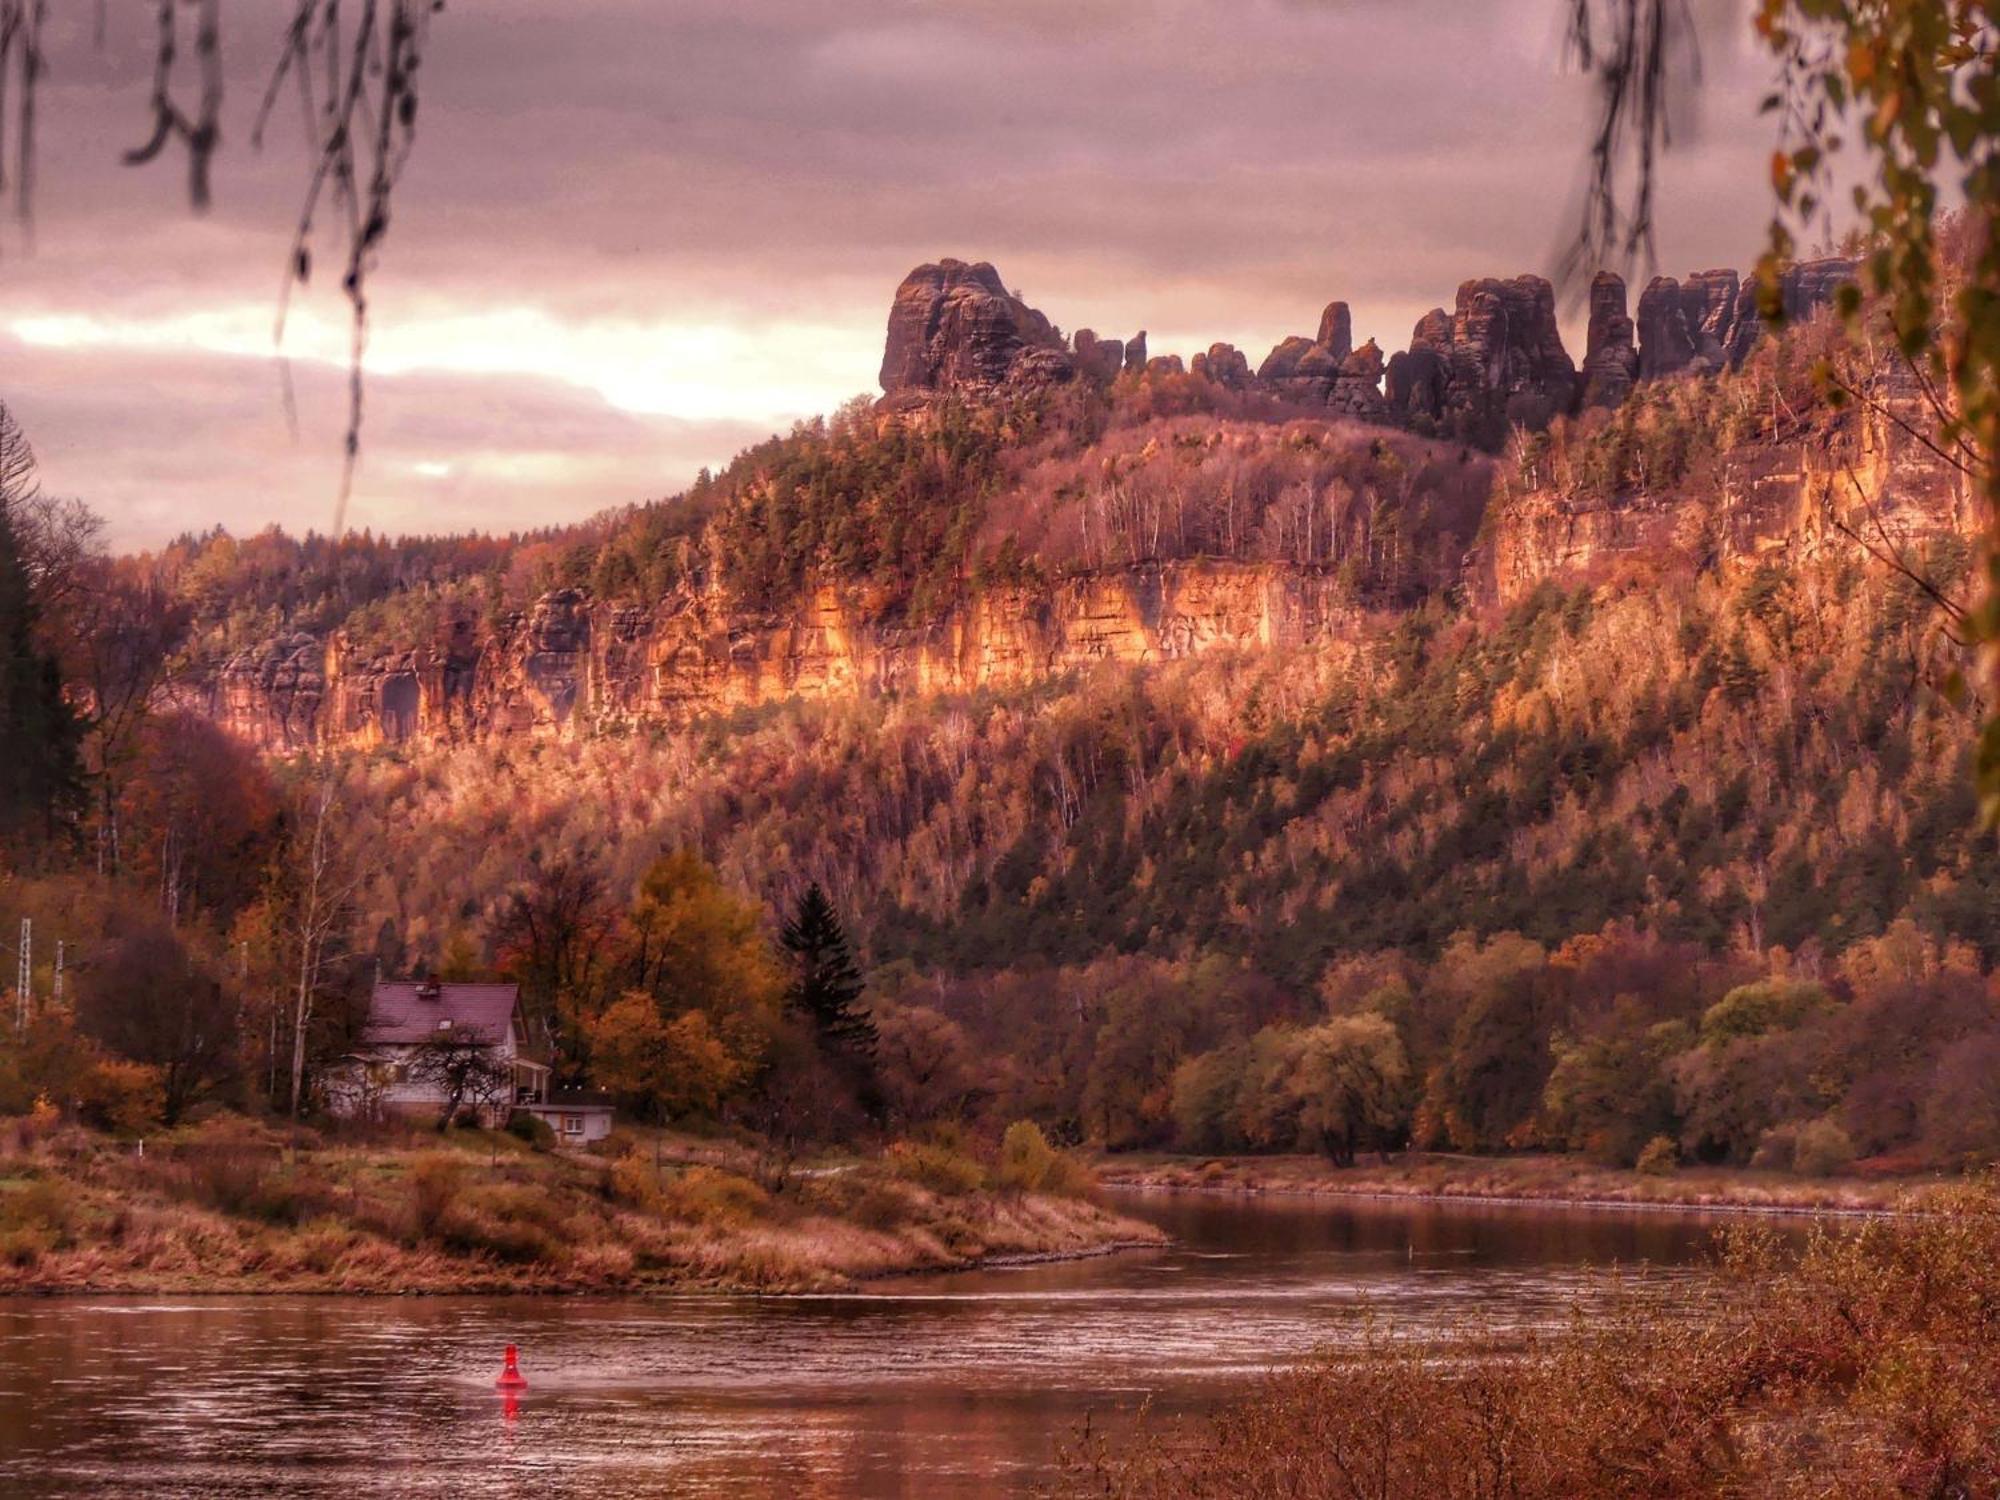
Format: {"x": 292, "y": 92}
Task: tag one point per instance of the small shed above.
{"x": 577, "y": 1116}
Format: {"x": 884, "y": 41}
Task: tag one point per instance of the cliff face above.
{"x": 573, "y": 666}
{"x": 1878, "y": 488}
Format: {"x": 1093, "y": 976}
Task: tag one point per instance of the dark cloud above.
{"x": 713, "y": 200}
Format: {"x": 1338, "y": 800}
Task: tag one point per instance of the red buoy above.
{"x": 511, "y": 1378}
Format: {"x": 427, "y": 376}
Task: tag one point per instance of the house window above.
{"x": 572, "y": 1124}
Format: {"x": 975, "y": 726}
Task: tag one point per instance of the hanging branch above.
{"x": 362, "y": 133}
{"x": 200, "y": 132}
{"x": 1644, "y": 58}
{"x": 359, "y": 133}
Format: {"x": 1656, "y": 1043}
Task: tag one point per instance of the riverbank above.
{"x": 247, "y": 1209}
{"x": 1552, "y": 1180}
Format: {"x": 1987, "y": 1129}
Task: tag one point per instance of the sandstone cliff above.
{"x": 576, "y": 666}
{"x": 1866, "y": 485}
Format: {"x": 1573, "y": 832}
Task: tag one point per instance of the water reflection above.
{"x": 948, "y": 1386}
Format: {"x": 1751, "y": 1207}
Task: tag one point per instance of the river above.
{"x": 927, "y": 1388}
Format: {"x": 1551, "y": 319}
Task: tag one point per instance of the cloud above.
{"x": 675, "y": 224}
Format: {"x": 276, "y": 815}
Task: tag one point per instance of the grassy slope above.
{"x": 475, "y": 1212}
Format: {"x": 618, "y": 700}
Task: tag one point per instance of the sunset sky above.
{"x": 638, "y": 235}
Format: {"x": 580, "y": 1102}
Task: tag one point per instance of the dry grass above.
{"x": 1869, "y": 1365}
{"x": 232, "y": 1206}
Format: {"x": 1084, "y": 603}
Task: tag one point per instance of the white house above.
{"x": 425, "y": 1039}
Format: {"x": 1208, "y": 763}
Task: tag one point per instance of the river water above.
{"x": 930, "y": 1388}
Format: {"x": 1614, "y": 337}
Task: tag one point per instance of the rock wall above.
{"x": 1787, "y": 502}
{"x": 574, "y": 666}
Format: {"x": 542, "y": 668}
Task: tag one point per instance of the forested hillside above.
{"x": 1190, "y": 767}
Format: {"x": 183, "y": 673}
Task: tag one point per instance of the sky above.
{"x": 637, "y": 236}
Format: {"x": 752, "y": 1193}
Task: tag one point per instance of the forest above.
{"x": 1660, "y": 862}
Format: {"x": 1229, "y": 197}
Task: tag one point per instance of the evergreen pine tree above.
{"x": 41, "y": 770}
{"x": 827, "y": 985}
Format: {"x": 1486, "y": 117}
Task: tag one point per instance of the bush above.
{"x": 532, "y": 1129}
{"x": 436, "y": 1184}
{"x": 634, "y": 1181}
{"x": 937, "y": 1165}
{"x": 1777, "y": 1149}
{"x": 1822, "y": 1149}
{"x": 1029, "y": 1163}
{"x": 1659, "y": 1158}
{"x": 707, "y": 1195}
{"x": 1027, "y": 1160}
{"x": 122, "y": 1097}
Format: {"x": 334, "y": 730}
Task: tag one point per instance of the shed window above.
{"x": 572, "y": 1124}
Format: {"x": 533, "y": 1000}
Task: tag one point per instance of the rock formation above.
{"x": 1496, "y": 361}
{"x": 1611, "y": 358}
{"x": 1665, "y": 345}
{"x": 1320, "y": 372}
{"x": 571, "y": 667}
{"x": 1225, "y": 365}
{"x": 1336, "y": 330}
{"x": 1711, "y": 320}
{"x": 1098, "y": 359}
{"x": 1357, "y": 389}
{"x": 956, "y": 327}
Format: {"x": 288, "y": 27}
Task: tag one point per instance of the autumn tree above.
{"x": 662, "y": 1067}
{"x": 702, "y": 997}
{"x": 148, "y": 998}
{"x": 553, "y": 937}
{"x": 1348, "y": 1077}
{"x": 197, "y": 817}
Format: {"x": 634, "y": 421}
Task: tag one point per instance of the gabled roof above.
{"x": 401, "y": 1013}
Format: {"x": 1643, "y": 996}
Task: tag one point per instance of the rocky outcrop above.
{"x": 1665, "y": 345}
{"x": 1336, "y": 330}
{"x": 572, "y": 667}
{"x": 1323, "y": 370}
{"x": 1859, "y": 475}
{"x": 1357, "y": 388}
{"x": 1497, "y": 361}
{"x": 1712, "y": 320}
{"x": 956, "y": 327}
{"x": 1224, "y": 364}
{"x": 1611, "y": 357}
{"x": 1098, "y": 359}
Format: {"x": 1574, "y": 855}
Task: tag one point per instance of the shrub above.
{"x": 1659, "y": 1158}
{"x": 1027, "y": 1160}
{"x": 708, "y": 1195}
{"x": 1777, "y": 1149}
{"x": 1030, "y": 1164}
{"x": 1823, "y": 1149}
{"x": 436, "y": 1183}
{"x": 634, "y": 1180}
{"x": 532, "y": 1129}
{"x": 125, "y": 1098}
{"x": 880, "y": 1206}
{"x": 937, "y": 1165}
